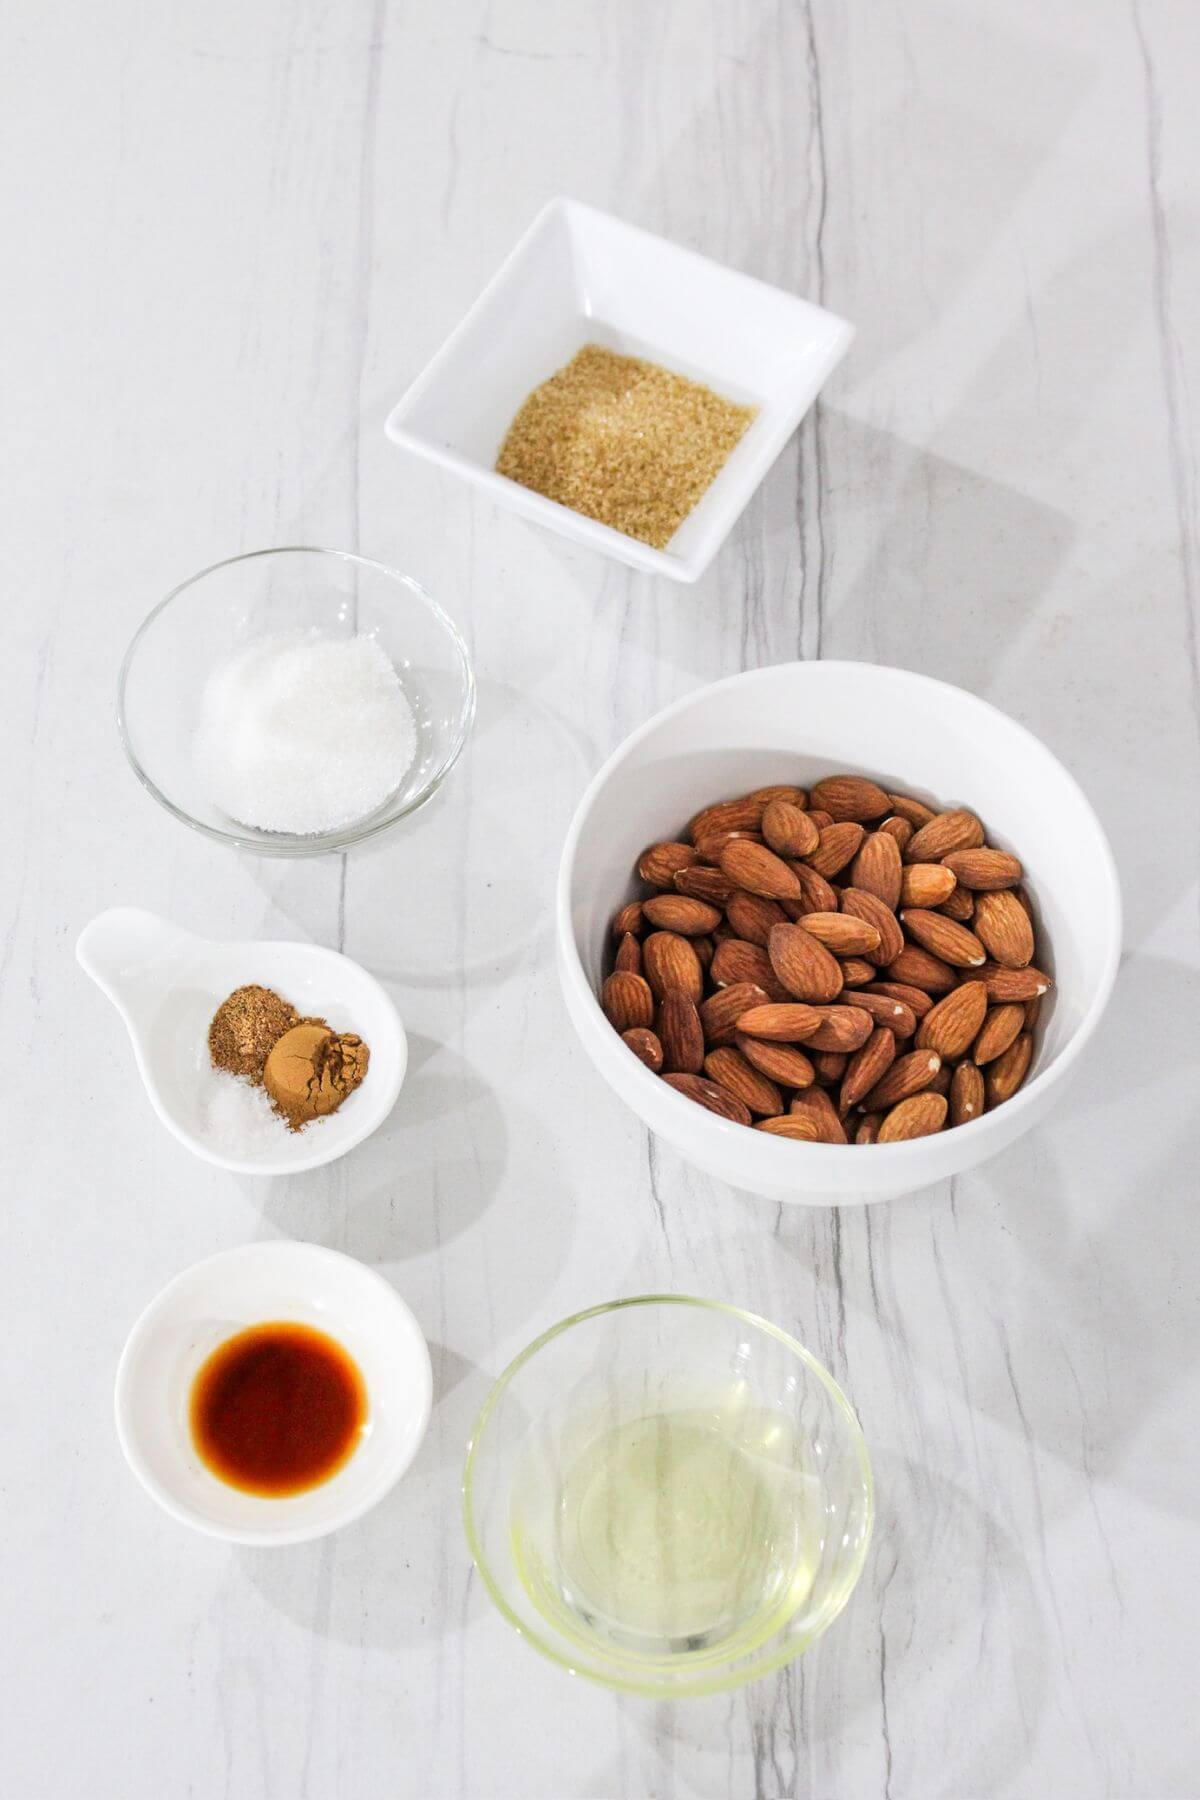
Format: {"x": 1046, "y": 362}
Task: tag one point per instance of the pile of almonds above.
{"x": 845, "y": 966}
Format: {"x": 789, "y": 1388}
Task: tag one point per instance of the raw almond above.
{"x": 787, "y": 830}
{"x": 705, "y": 950}
{"x": 869, "y": 908}
{"x": 915, "y": 967}
{"x": 736, "y": 961}
{"x": 782, "y": 1062}
{"x": 755, "y": 1090}
{"x": 791, "y": 1125}
{"x": 984, "y": 870}
{"x": 1033, "y": 1011}
{"x": 814, "y": 1103}
{"x": 700, "y": 882}
{"x": 919, "y": 1116}
{"x": 1003, "y": 1077}
{"x": 966, "y": 1094}
{"x": 950, "y": 1026}
{"x": 676, "y": 912}
{"x": 868, "y": 1128}
{"x": 727, "y": 815}
{"x": 720, "y": 1013}
{"x": 710, "y": 1094}
{"x": 658, "y": 864}
{"x": 884, "y": 1009}
{"x": 781, "y": 1023}
{"x": 1003, "y": 928}
{"x": 941, "y": 1081}
{"x": 838, "y": 845}
{"x": 916, "y": 999}
{"x": 709, "y": 848}
{"x": 943, "y": 938}
{"x": 957, "y": 830}
{"x": 913, "y": 812}
{"x": 645, "y": 1047}
{"x": 1000, "y": 1028}
{"x": 830, "y": 1066}
{"x": 803, "y": 965}
{"x": 857, "y": 971}
{"x": 850, "y": 797}
{"x": 907, "y": 1075}
{"x": 877, "y": 868}
{"x": 1014, "y": 984}
{"x": 841, "y": 933}
{"x": 629, "y": 919}
{"x": 794, "y": 796}
{"x": 669, "y": 962}
{"x": 869, "y": 1064}
{"x": 959, "y": 904}
{"x": 926, "y": 884}
{"x": 822, "y": 820}
{"x": 842, "y": 1028}
{"x": 758, "y": 870}
{"x": 753, "y": 918}
{"x": 629, "y": 955}
{"x": 681, "y": 1035}
{"x": 627, "y": 1001}
{"x": 900, "y": 829}
{"x": 816, "y": 894}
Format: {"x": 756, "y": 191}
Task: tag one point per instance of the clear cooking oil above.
{"x": 671, "y": 1534}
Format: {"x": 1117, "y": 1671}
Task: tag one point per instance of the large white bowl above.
{"x": 794, "y": 723}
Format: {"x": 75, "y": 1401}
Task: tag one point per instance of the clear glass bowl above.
{"x": 225, "y": 608}
{"x": 668, "y": 1495}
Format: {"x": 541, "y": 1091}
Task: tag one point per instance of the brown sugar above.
{"x": 245, "y": 1026}
{"x": 623, "y": 441}
{"x": 311, "y": 1070}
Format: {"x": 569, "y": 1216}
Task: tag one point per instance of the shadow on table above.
{"x": 1050, "y": 1289}
{"x": 1110, "y": 1307}
{"x": 946, "y": 1611}
{"x": 801, "y": 154}
{"x": 402, "y": 1575}
{"x": 435, "y": 1183}
{"x": 425, "y": 1177}
{"x": 462, "y": 890}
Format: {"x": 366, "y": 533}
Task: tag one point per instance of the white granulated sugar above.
{"x": 305, "y": 733}
{"x": 236, "y": 1117}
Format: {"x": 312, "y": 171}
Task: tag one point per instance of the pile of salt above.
{"x": 237, "y": 1118}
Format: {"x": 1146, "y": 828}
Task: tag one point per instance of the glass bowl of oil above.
{"x": 668, "y": 1495}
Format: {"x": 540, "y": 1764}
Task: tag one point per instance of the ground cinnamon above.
{"x": 312, "y": 1069}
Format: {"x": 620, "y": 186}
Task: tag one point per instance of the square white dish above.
{"x": 580, "y": 276}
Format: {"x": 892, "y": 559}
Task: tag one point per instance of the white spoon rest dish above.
{"x": 166, "y": 983}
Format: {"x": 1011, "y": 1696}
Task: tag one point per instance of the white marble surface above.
{"x": 233, "y": 233}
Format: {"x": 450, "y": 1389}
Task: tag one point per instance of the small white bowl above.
{"x": 254, "y": 1285}
{"x": 795, "y": 723}
{"x": 167, "y": 983}
{"x": 579, "y": 276}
